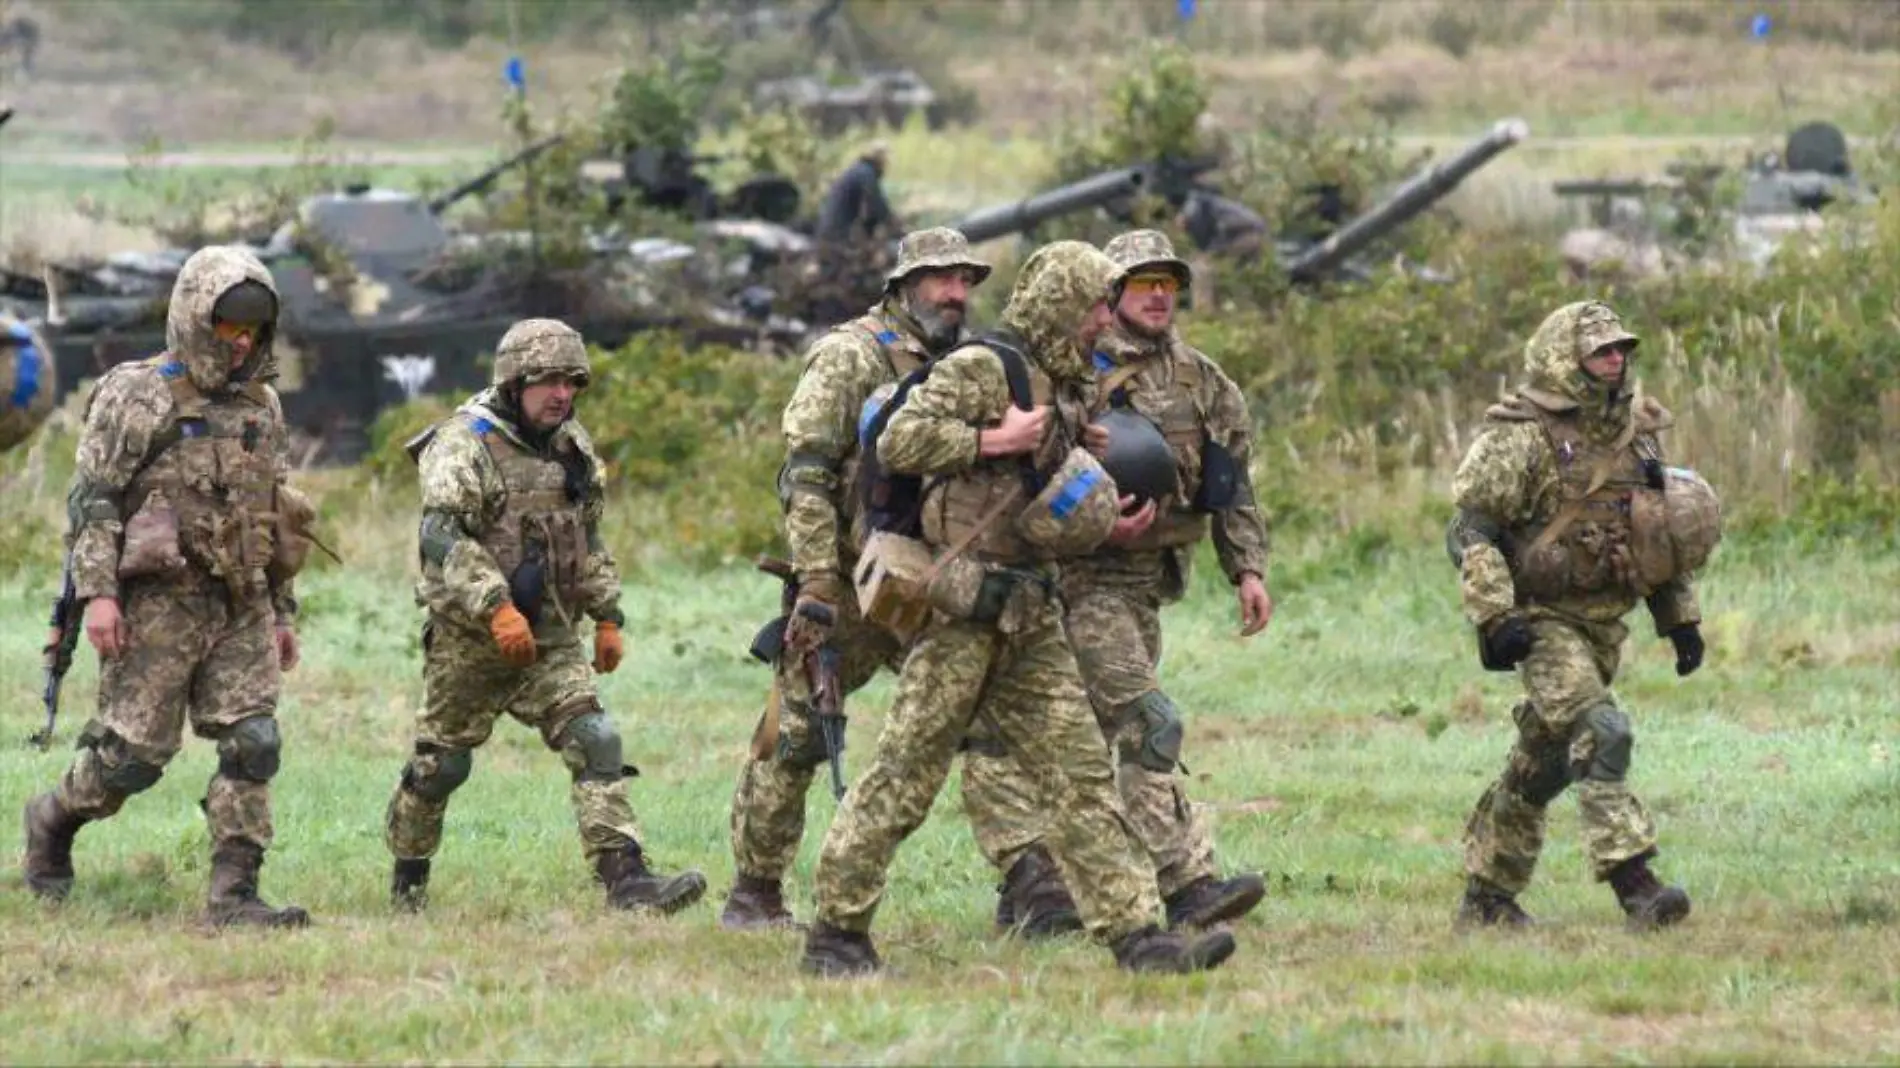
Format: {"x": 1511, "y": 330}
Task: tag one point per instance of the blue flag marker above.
{"x": 515, "y": 74}
{"x": 1759, "y": 26}
{"x": 1184, "y": 8}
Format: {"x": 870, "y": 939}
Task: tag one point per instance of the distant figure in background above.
{"x": 856, "y": 230}
{"x": 854, "y": 208}
{"x": 21, "y": 35}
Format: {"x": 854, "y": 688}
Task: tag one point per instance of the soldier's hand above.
{"x": 815, "y": 614}
{"x": 513, "y": 636}
{"x": 1019, "y": 432}
{"x": 288, "y": 652}
{"x": 609, "y": 647}
{"x": 1256, "y": 605}
{"x": 1507, "y": 643}
{"x": 106, "y": 628}
{"x": 1130, "y": 527}
{"x": 1689, "y": 649}
{"x": 1095, "y": 439}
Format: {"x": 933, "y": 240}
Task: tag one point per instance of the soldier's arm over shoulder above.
{"x": 129, "y": 410}
{"x": 820, "y": 426}
{"x": 935, "y": 431}
{"x": 458, "y": 484}
{"x": 1241, "y": 534}
{"x": 600, "y": 572}
{"x": 1492, "y": 490}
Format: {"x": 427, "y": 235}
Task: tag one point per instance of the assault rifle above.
{"x": 820, "y": 666}
{"x": 61, "y": 639}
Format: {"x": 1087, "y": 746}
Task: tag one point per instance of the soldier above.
{"x": 512, "y": 566}
{"x": 28, "y": 381}
{"x": 920, "y": 317}
{"x": 187, "y": 581}
{"x": 993, "y": 649}
{"x": 854, "y": 208}
{"x": 1113, "y": 598}
{"x": 1563, "y": 525}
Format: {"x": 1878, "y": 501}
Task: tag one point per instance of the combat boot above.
{"x": 1005, "y": 910}
{"x": 1038, "y": 904}
{"x": 1486, "y": 905}
{"x": 1207, "y": 901}
{"x": 50, "y": 830}
{"x": 1646, "y": 902}
{"x": 1153, "y": 950}
{"x": 632, "y": 885}
{"x": 835, "y": 953}
{"x": 409, "y": 885}
{"x": 234, "y": 900}
{"x": 756, "y": 904}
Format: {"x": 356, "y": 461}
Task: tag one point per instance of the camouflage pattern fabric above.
{"x": 468, "y": 688}
{"x": 202, "y": 647}
{"x": 192, "y": 656}
{"x": 1023, "y": 685}
{"x": 935, "y": 249}
{"x": 768, "y": 807}
{"x": 29, "y": 380}
{"x": 532, "y": 348}
{"x": 1566, "y": 685}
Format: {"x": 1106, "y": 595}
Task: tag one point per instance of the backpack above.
{"x": 893, "y": 502}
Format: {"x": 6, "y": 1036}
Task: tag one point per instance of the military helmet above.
{"x": 1694, "y": 517}
{"x": 1138, "y": 457}
{"x": 535, "y": 348}
{"x": 1076, "y": 510}
{"x": 938, "y": 248}
{"x": 247, "y": 302}
{"x": 1140, "y": 249}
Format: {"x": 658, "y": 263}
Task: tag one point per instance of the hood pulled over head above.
{"x": 207, "y": 276}
{"x": 1057, "y": 286}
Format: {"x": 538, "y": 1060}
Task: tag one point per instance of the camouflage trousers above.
{"x": 468, "y": 687}
{"x": 1024, "y": 685}
{"x": 1114, "y": 626}
{"x": 768, "y": 805}
{"x": 1569, "y": 730}
{"x": 191, "y": 656}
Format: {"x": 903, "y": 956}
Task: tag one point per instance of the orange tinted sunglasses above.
{"x": 1154, "y": 283}
{"x": 230, "y": 331}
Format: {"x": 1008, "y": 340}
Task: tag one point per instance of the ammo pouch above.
{"x": 892, "y": 581}
{"x": 528, "y": 586}
{"x": 965, "y": 589}
{"x": 1220, "y": 478}
{"x": 151, "y": 540}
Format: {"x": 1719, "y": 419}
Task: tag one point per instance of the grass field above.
{"x": 1339, "y": 753}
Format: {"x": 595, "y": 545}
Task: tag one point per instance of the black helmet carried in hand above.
{"x": 1138, "y": 458}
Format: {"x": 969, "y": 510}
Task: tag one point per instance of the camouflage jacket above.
{"x": 1188, "y": 396}
{"x": 820, "y": 424}
{"x": 465, "y": 500}
{"x": 134, "y": 423}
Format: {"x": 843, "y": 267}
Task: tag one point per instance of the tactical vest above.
{"x": 212, "y": 464}
{"x": 1176, "y": 409}
{"x": 539, "y": 525}
{"x": 955, "y": 506}
{"x": 900, "y": 361}
{"x": 1591, "y": 545}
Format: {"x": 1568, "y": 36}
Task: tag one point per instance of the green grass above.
{"x": 1339, "y": 752}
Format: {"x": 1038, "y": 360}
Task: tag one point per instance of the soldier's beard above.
{"x": 939, "y": 322}
{"x": 1143, "y": 330}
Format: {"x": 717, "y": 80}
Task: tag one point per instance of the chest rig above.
{"x": 1603, "y": 536}
{"x": 210, "y": 475}
{"x": 1166, "y": 387}
{"x": 538, "y": 532}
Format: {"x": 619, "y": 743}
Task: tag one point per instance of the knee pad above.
{"x": 435, "y": 771}
{"x": 1605, "y": 757}
{"x": 1161, "y": 732}
{"x": 120, "y": 771}
{"x": 590, "y": 746}
{"x": 250, "y": 749}
{"x": 1537, "y": 780}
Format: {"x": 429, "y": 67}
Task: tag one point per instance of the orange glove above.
{"x": 513, "y": 635}
{"x": 608, "y": 647}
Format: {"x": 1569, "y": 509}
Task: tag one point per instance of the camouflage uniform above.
{"x": 510, "y": 517}
{"x": 179, "y": 475}
{"x": 1014, "y": 672}
{"x": 817, "y": 490}
{"x": 1114, "y": 597}
{"x": 28, "y": 381}
{"x": 1566, "y": 444}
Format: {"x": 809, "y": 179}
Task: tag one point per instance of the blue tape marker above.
{"x": 27, "y": 362}
{"x": 481, "y": 426}
{"x": 1073, "y": 492}
{"x": 171, "y": 370}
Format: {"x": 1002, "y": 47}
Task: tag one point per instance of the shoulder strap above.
{"x": 1116, "y": 379}
{"x": 1599, "y": 474}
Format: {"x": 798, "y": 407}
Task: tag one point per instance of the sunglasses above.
{"x": 231, "y": 331}
{"x": 1144, "y": 284}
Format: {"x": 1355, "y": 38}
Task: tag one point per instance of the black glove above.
{"x": 1505, "y": 645}
{"x": 1688, "y": 642}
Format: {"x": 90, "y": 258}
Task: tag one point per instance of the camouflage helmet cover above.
{"x": 938, "y": 248}
{"x": 535, "y": 348}
{"x": 1138, "y": 249}
{"x": 1553, "y": 358}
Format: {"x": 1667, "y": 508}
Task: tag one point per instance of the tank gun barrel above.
{"x": 487, "y": 177}
{"x": 1165, "y": 178}
{"x": 1419, "y": 192}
